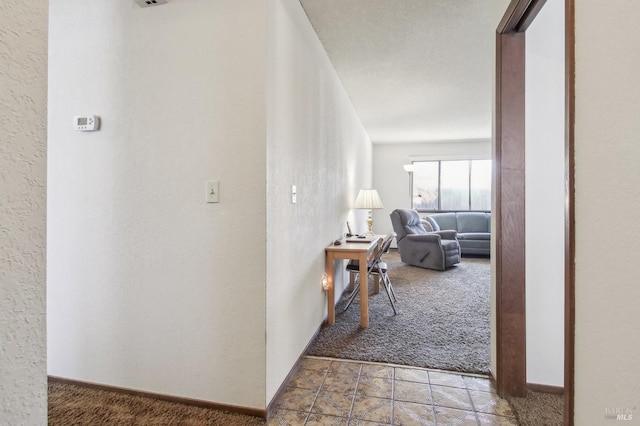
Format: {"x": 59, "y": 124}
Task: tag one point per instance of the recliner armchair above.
{"x": 432, "y": 250}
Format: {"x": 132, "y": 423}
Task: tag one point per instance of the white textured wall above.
{"x": 315, "y": 142}
{"x": 607, "y": 154}
{"x": 392, "y": 182}
{"x": 149, "y": 287}
{"x": 23, "y": 110}
{"x": 545, "y": 196}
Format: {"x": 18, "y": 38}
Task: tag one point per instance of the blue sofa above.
{"x": 474, "y": 229}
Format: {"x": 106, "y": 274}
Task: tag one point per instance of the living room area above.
{"x": 447, "y": 311}
{"x": 456, "y": 137}
{"x": 450, "y": 143}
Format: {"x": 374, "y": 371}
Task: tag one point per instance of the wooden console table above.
{"x": 352, "y": 251}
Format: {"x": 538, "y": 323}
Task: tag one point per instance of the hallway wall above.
{"x": 315, "y": 141}
{"x": 149, "y": 287}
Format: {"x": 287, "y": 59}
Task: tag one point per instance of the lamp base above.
{"x": 370, "y": 225}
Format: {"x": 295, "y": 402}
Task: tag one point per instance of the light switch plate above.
{"x": 213, "y": 191}
{"x": 294, "y": 195}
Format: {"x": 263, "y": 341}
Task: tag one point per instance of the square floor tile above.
{"x": 375, "y": 386}
{"x": 372, "y": 409}
{"x": 446, "y": 379}
{"x": 412, "y": 375}
{"x": 489, "y": 420}
{"x": 412, "y": 392}
{"x": 479, "y": 383}
{"x": 344, "y": 383}
{"x": 324, "y": 420}
{"x": 489, "y": 403}
{"x": 333, "y": 404}
{"x": 444, "y": 396}
{"x": 375, "y": 370}
{"x": 296, "y": 399}
{"x": 359, "y": 422}
{"x": 287, "y": 418}
{"x": 409, "y": 413}
{"x": 340, "y": 367}
{"x": 315, "y": 364}
{"x": 308, "y": 379}
{"x": 344, "y": 393}
{"x": 450, "y": 416}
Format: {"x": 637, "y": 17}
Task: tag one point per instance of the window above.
{"x": 452, "y": 185}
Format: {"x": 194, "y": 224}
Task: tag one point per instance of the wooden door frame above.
{"x": 569, "y": 213}
{"x": 509, "y": 190}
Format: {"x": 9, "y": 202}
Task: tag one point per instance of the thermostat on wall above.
{"x": 86, "y": 123}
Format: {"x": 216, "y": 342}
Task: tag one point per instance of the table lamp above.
{"x": 368, "y": 199}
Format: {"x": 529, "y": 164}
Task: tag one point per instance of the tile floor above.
{"x": 336, "y": 392}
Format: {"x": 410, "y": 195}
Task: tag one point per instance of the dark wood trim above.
{"x": 519, "y": 15}
{"x": 535, "y": 387}
{"x": 530, "y": 14}
{"x": 255, "y": 412}
{"x": 512, "y": 16}
{"x": 509, "y": 190}
{"x": 570, "y": 251}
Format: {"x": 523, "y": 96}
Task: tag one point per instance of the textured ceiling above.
{"x": 416, "y": 70}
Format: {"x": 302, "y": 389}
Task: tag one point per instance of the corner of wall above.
{"x": 23, "y": 169}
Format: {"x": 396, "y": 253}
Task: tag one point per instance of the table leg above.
{"x": 364, "y": 292}
{"x": 331, "y": 305}
{"x": 376, "y": 277}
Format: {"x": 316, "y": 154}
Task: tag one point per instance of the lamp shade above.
{"x": 368, "y": 199}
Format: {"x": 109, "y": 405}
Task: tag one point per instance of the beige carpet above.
{"x": 538, "y": 409}
{"x": 73, "y": 405}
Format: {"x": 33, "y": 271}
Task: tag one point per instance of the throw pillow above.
{"x": 427, "y": 226}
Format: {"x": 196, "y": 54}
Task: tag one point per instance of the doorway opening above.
{"x": 511, "y": 374}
